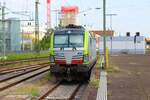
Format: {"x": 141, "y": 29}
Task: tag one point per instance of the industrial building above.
{"x": 148, "y": 43}
{"x": 124, "y": 45}
{"x": 69, "y": 15}
{"x": 28, "y": 34}
{"x": 101, "y": 32}
{"x": 10, "y": 30}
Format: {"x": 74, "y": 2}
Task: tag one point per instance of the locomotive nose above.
{"x": 73, "y": 57}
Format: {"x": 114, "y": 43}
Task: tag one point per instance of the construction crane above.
{"x": 48, "y": 14}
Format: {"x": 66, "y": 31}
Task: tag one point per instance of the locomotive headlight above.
{"x": 51, "y": 58}
{"x": 86, "y": 58}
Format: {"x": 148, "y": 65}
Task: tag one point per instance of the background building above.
{"x": 100, "y": 32}
{"x": 69, "y": 15}
{"x": 12, "y": 35}
{"x": 28, "y": 34}
{"x": 147, "y": 43}
{"x": 124, "y": 45}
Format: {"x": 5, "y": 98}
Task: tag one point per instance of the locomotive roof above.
{"x": 71, "y": 30}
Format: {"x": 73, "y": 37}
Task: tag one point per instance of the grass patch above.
{"x": 109, "y": 82}
{"x": 32, "y": 90}
{"x": 94, "y": 83}
{"x": 45, "y": 79}
{"x": 137, "y": 73}
{"x": 99, "y": 62}
{"x": 109, "y": 93}
{"x": 19, "y": 56}
{"x": 113, "y": 69}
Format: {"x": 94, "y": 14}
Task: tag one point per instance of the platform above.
{"x": 102, "y": 90}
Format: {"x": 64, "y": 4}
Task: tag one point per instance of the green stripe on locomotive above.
{"x": 86, "y": 43}
{"x": 52, "y": 44}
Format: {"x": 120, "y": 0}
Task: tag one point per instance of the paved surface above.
{"x": 132, "y": 81}
{"x": 102, "y": 90}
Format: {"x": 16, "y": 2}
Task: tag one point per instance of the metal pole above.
{"x": 111, "y": 32}
{"x": 3, "y": 30}
{"x": 56, "y": 18}
{"x": 104, "y": 30}
{"x": 1, "y": 41}
{"x": 22, "y": 40}
{"x": 111, "y": 24}
{"x": 36, "y": 26}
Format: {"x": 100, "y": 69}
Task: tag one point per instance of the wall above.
{"x": 127, "y": 45}
{"x": 12, "y": 35}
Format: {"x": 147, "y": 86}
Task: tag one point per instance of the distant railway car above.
{"x": 72, "y": 53}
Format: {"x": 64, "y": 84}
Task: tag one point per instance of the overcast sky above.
{"x": 132, "y": 15}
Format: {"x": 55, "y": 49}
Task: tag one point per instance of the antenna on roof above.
{"x": 73, "y": 26}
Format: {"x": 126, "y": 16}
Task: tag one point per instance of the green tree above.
{"x": 45, "y": 42}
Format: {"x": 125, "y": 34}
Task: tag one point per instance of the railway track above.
{"x": 4, "y": 63}
{"x": 10, "y": 82}
{"x": 15, "y": 73}
{"x": 61, "y": 92}
{"x": 23, "y": 68}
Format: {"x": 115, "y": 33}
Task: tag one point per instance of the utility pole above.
{"x": 48, "y": 14}
{"x": 22, "y": 40}
{"x": 57, "y": 12}
{"x": 3, "y": 30}
{"x": 104, "y": 30}
{"x": 111, "y": 15}
{"x": 37, "y": 48}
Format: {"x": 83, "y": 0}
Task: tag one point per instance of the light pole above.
{"x": 104, "y": 31}
{"x": 3, "y": 30}
{"x": 57, "y": 13}
{"x": 111, "y": 15}
{"x": 37, "y": 48}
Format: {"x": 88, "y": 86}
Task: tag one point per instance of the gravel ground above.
{"x": 31, "y": 88}
{"x": 62, "y": 92}
{"x": 131, "y": 81}
{"x": 90, "y": 93}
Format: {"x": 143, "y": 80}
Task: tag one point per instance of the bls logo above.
{"x": 79, "y": 53}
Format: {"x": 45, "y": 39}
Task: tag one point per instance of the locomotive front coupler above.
{"x": 68, "y": 69}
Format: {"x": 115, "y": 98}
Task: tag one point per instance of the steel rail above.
{"x": 22, "y": 80}
{"x": 21, "y": 68}
{"x": 23, "y": 73}
{"x": 49, "y": 91}
{"x": 22, "y": 60}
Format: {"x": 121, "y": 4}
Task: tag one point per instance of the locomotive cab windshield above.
{"x": 68, "y": 40}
